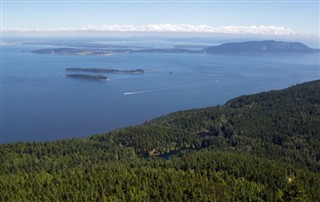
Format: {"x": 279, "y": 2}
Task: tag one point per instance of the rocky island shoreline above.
{"x": 105, "y": 70}
{"x": 88, "y": 77}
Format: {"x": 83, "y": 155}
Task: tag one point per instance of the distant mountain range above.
{"x": 249, "y": 47}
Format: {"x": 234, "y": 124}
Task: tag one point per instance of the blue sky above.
{"x": 300, "y": 16}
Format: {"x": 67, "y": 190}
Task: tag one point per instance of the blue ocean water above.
{"x": 39, "y": 103}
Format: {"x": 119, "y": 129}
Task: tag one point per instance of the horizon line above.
{"x": 166, "y": 28}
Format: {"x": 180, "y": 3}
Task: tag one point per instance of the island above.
{"x": 105, "y": 70}
{"x": 88, "y": 77}
{"x": 80, "y": 51}
{"x": 259, "y": 47}
{"x": 247, "y": 47}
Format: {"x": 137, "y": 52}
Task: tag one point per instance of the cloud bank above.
{"x": 260, "y": 29}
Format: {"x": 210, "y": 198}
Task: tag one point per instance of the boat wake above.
{"x": 141, "y": 92}
{"x": 155, "y": 90}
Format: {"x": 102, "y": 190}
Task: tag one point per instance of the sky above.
{"x": 260, "y": 17}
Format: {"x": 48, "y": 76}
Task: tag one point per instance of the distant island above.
{"x": 80, "y": 51}
{"x": 88, "y": 77}
{"x": 248, "y": 47}
{"x": 105, "y": 70}
{"x": 259, "y": 47}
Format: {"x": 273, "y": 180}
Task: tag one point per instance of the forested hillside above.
{"x": 262, "y": 147}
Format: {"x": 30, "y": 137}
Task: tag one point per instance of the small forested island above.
{"x": 248, "y": 47}
{"x": 105, "y": 70}
{"x": 261, "y": 147}
{"x": 88, "y": 77}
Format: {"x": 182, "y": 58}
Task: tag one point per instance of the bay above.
{"x": 40, "y": 104}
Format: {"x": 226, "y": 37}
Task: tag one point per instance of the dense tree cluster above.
{"x": 262, "y": 147}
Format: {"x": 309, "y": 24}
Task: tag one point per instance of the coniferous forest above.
{"x": 261, "y": 147}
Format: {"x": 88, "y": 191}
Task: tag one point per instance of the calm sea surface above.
{"x": 39, "y": 103}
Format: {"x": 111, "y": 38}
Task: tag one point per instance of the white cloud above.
{"x": 261, "y": 29}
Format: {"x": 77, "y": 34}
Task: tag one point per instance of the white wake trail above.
{"x": 141, "y": 92}
{"x": 157, "y": 90}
